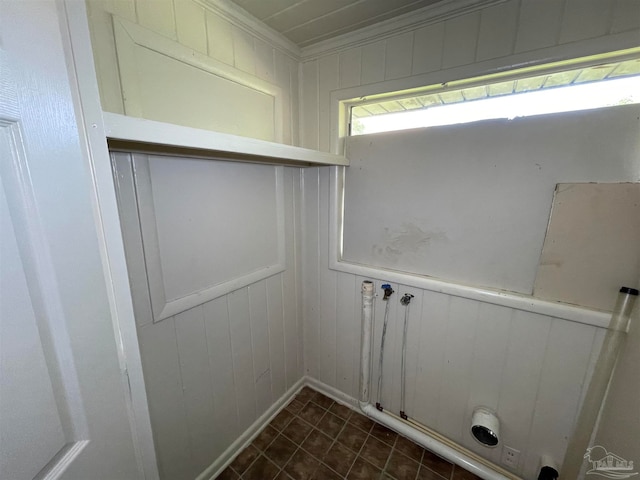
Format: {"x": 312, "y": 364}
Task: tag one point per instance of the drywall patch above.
{"x": 591, "y": 247}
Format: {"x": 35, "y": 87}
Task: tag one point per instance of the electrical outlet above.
{"x": 510, "y": 457}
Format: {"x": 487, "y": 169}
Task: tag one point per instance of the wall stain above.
{"x": 551, "y": 260}
{"x": 409, "y": 238}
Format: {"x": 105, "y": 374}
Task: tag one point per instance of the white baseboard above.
{"x": 252, "y": 432}
{"x": 333, "y": 393}
{"x": 223, "y": 461}
{"x": 462, "y": 456}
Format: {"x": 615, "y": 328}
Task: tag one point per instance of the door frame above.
{"x": 76, "y": 40}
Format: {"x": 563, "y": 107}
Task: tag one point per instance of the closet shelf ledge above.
{"x": 131, "y": 134}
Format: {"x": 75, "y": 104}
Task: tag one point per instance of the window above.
{"x": 559, "y": 88}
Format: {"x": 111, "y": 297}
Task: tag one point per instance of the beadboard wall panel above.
{"x": 397, "y": 62}
{"x": 498, "y": 27}
{"x": 328, "y": 77}
{"x": 427, "y": 59}
{"x": 311, "y": 266}
{"x": 495, "y": 33}
{"x": 213, "y": 369}
{"x": 165, "y": 81}
{"x": 310, "y": 105}
{"x": 195, "y": 26}
{"x": 219, "y": 39}
{"x": 532, "y": 369}
{"x": 538, "y": 27}
{"x": 460, "y": 40}
{"x": 372, "y": 67}
{"x": 191, "y": 27}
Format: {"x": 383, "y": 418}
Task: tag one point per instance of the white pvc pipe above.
{"x": 404, "y": 428}
{"x": 602, "y": 374}
{"x": 365, "y": 345}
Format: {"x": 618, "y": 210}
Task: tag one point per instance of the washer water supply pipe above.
{"x": 406, "y": 301}
{"x": 388, "y": 291}
{"x": 403, "y": 427}
{"x": 602, "y": 374}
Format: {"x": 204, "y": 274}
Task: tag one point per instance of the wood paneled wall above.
{"x": 490, "y": 39}
{"x": 212, "y": 370}
{"x": 531, "y": 368}
{"x": 197, "y": 27}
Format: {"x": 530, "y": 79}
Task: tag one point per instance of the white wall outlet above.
{"x": 510, "y": 457}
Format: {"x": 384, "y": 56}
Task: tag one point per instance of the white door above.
{"x": 63, "y": 395}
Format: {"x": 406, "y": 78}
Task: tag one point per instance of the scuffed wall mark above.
{"x": 407, "y": 239}
{"x": 263, "y": 374}
{"x": 552, "y": 261}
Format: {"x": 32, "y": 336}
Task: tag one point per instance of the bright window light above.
{"x": 563, "y": 99}
{"x": 580, "y": 89}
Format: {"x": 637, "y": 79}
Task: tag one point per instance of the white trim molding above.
{"x": 164, "y": 307}
{"x": 340, "y": 101}
{"x": 408, "y": 428}
{"x": 131, "y": 134}
{"x": 438, "y": 12}
{"x": 249, "y": 435}
{"x": 84, "y": 88}
{"x": 129, "y": 36}
{"x": 503, "y": 298}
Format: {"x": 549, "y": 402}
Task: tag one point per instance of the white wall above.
{"x": 455, "y": 206}
{"x": 513, "y": 33}
{"x": 213, "y": 368}
{"x": 538, "y": 406}
{"x": 530, "y": 368}
{"x": 461, "y": 353}
{"x": 185, "y": 394}
{"x": 195, "y": 26}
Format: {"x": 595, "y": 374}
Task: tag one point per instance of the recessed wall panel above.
{"x": 208, "y": 227}
{"x": 164, "y": 81}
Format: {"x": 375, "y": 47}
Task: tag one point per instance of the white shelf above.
{"x": 140, "y": 135}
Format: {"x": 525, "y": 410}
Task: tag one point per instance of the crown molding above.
{"x": 438, "y": 12}
{"x": 239, "y": 17}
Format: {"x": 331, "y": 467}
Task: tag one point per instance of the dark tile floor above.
{"x": 316, "y": 438}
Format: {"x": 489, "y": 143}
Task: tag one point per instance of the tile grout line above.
{"x": 346, "y": 422}
{"x": 298, "y": 445}
{"x": 320, "y": 459}
{"x": 384, "y": 470}
{"x": 361, "y": 446}
{"x": 280, "y": 432}
{"x": 335, "y": 440}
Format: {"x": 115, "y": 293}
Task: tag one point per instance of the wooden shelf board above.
{"x": 140, "y": 135}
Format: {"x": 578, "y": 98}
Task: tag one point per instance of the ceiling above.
{"x": 306, "y": 22}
